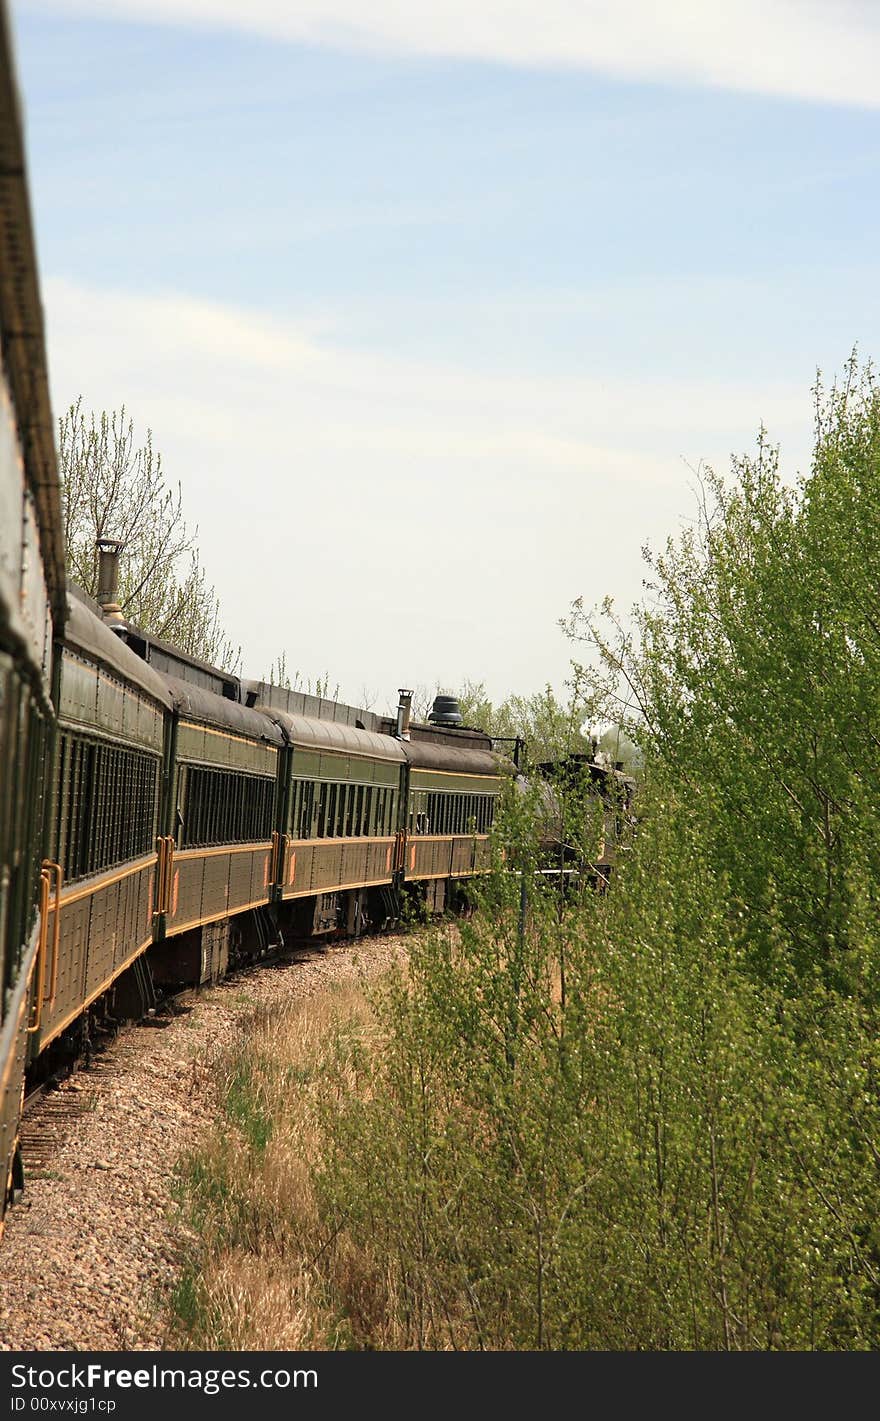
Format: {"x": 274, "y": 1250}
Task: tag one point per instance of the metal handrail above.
{"x": 169, "y": 865}
{"x": 160, "y": 875}
{"x": 34, "y": 1026}
{"x": 50, "y": 866}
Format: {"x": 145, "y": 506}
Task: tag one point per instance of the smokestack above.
{"x": 404, "y": 711}
{"x": 108, "y": 582}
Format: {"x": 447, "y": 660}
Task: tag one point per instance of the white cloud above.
{"x": 387, "y": 518}
{"x": 815, "y": 49}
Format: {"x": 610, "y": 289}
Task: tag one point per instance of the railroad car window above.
{"x": 307, "y": 810}
{"x": 106, "y": 808}
{"x": 225, "y": 807}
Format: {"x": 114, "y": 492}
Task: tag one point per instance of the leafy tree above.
{"x": 650, "y": 1118}
{"x": 754, "y": 667}
{"x": 115, "y": 489}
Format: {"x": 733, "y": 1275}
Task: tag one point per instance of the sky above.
{"x": 435, "y": 309}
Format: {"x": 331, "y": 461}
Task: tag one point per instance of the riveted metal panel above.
{"x": 104, "y": 925}
{"x": 92, "y": 699}
{"x": 34, "y": 593}
{"x": 205, "y": 745}
{"x": 449, "y": 782}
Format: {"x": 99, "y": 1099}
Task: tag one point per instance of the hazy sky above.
{"x": 432, "y": 305}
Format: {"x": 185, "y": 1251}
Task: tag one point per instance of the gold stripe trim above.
{"x": 67, "y": 724}
{"x": 303, "y": 748}
{"x": 445, "y": 839}
{"x": 259, "y": 846}
{"x": 455, "y": 774}
{"x": 329, "y": 843}
{"x": 469, "y": 873}
{"x": 226, "y": 735}
{"x": 228, "y": 912}
{"x": 337, "y": 887}
{"x": 96, "y": 886}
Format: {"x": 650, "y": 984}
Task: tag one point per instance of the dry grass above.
{"x": 264, "y": 1274}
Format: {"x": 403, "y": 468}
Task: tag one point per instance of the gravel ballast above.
{"x": 90, "y": 1253}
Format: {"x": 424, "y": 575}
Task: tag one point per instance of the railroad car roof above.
{"x": 21, "y": 316}
{"x": 169, "y": 660}
{"x": 333, "y": 735}
{"x": 89, "y": 635}
{"x": 196, "y": 703}
{"x": 300, "y": 703}
{"x": 454, "y": 759}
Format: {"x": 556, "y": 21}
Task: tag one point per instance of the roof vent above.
{"x": 404, "y": 711}
{"x": 445, "y": 711}
{"x": 108, "y": 582}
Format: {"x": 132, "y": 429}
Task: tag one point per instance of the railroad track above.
{"x": 53, "y": 1108}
